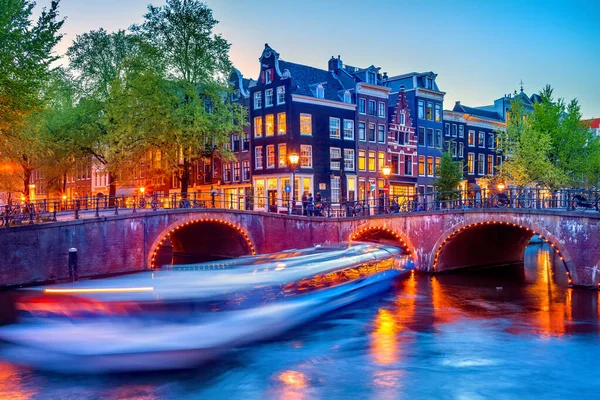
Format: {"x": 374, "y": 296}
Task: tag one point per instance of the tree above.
{"x": 196, "y": 64}
{"x": 25, "y": 58}
{"x": 449, "y": 175}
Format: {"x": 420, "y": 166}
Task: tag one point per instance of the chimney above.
{"x": 385, "y": 78}
{"x": 457, "y": 104}
{"x": 334, "y": 64}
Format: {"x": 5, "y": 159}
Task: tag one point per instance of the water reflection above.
{"x": 12, "y": 385}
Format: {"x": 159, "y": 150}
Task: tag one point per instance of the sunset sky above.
{"x": 479, "y": 49}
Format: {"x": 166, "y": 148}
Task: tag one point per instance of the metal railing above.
{"x": 50, "y": 210}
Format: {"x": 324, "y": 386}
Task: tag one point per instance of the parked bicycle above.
{"x": 580, "y": 202}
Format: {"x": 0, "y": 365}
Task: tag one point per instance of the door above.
{"x": 272, "y": 200}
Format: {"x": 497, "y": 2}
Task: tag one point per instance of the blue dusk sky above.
{"x": 479, "y": 49}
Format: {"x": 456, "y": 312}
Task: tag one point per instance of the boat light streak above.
{"x": 100, "y": 290}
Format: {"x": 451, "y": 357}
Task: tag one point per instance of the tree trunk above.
{"x": 112, "y": 189}
{"x": 26, "y": 181}
{"x": 185, "y": 178}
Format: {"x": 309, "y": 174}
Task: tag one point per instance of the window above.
{"x": 453, "y": 148}
{"x": 258, "y": 157}
{"x": 362, "y": 106}
{"x": 438, "y": 113}
{"x": 372, "y": 110}
{"x": 362, "y": 135}
{"x": 490, "y": 141}
{"x": 236, "y": 171}
{"x": 226, "y": 172}
{"x": 371, "y": 78}
{"x": 429, "y": 111}
{"x": 471, "y": 139}
{"x": 257, "y": 100}
{"x": 400, "y": 137}
{"x": 281, "y": 95}
{"x": 498, "y": 161}
{"x": 334, "y": 128}
{"x": 335, "y": 155}
{"x": 421, "y": 165}
{"x": 268, "y": 97}
{"x": 438, "y": 138}
{"x": 245, "y": 170}
{"x": 381, "y": 159}
{"x": 454, "y": 130}
{"x": 305, "y": 156}
{"x": 470, "y": 161}
{"x": 347, "y": 97}
{"x": 428, "y": 83}
{"x": 282, "y": 155}
{"x": 257, "y": 127}
{"x": 269, "y": 125}
{"x": 371, "y": 132}
{"x": 335, "y": 189}
{"x": 269, "y": 75}
{"x": 430, "y": 166}
{"x": 430, "y": 142}
{"x": 421, "y": 136}
{"x": 281, "y": 123}
{"x": 402, "y": 118}
{"x": 349, "y": 159}
{"x": 371, "y": 161}
{"x": 408, "y": 165}
{"x": 447, "y": 129}
{"x": 245, "y": 142}
{"x": 381, "y": 109}
{"x": 271, "y": 156}
{"x": 362, "y": 160}
{"x": 349, "y": 129}
{"x": 421, "y": 109}
{"x": 490, "y": 164}
{"x": 481, "y": 164}
{"x": 481, "y": 139}
{"x": 461, "y": 150}
{"x": 381, "y": 133}
{"x": 461, "y": 131}
{"x": 320, "y": 92}
{"x": 305, "y": 124}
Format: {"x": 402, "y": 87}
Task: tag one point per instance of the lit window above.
{"x": 258, "y": 157}
{"x": 470, "y": 162}
{"x": 430, "y": 166}
{"x": 305, "y": 156}
{"x": 257, "y": 127}
{"x": 257, "y": 100}
{"x": 381, "y": 160}
{"x": 334, "y": 128}
{"x": 349, "y": 129}
{"x": 436, "y": 165}
{"x": 271, "y": 156}
{"x": 268, "y": 97}
{"x": 305, "y": 124}
{"x": 349, "y": 159}
{"x": 281, "y": 123}
{"x": 371, "y": 161}
{"x": 282, "y": 154}
{"x": 362, "y": 162}
{"x": 422, "y": 165}
{"x": 471, "y": 139}
{"x": 335, "y": 154}
{"x": 269, "y": 125}
{"x": 429, "y": 111}
{"x": 490, "y": 164}
{"x": 281, "y": 95}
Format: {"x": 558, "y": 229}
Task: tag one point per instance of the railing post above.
{"x": 569, "y": 205}
{"x": 97, "y": 207}
{"x": 54, "y": 212}
{"x": 31, "y": 213}
{"x": 6, "y": 214}
{"x": 116, "y": 205}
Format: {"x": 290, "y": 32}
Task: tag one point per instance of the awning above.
{"x": 126, "y": 191}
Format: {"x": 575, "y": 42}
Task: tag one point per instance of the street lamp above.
{"x": 293, "y": 158}
{"x": 500, "y": 186}
{"x": 142, "y": 190}
{"x": 386, "y": 170}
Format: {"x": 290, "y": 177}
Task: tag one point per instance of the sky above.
{"x": 480, "y": 50}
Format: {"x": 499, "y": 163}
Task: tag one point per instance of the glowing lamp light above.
{"x": 294, "y": 158}
{"x": 64, "y": 196}
{"x": 500, "y": 186}
{"x": 142, "y": 190}
{"x": 387, "y": 170}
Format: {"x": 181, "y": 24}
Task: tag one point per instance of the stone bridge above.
{"x": 437, "y": 241}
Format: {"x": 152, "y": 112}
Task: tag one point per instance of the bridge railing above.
{"x": 49, "y": 210}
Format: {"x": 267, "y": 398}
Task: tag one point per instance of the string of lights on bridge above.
{"x": 545, "y": 239}
{"x": 364, "y": 231}
{"x": 242, "y": 232}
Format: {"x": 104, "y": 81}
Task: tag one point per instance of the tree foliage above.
{"x": 449, "y": 175}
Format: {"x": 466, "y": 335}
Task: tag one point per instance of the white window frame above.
{"x": 333, "y": 122}
{"x": 258, "y": 155}
{"x": 481, "y": 160}
{"x": 363, "y": 101}
{"x": 349, "y": 164}
{"x": 257, "y": 100}
{"x": 335, "y": 153}
{"x": 335, "y": 186}
{"x": 260, "y": 134}
{"x": 309, "y": 123}
{"x": 471, "y": 172}
{"x": 244, "y": 170}
{"x": 347, "y": 97}
{"x": 379, "y": 130}
{"x": 364, "y": 138}
{"x": 474, "y": 138}
{"x": 303, "y": 148}
{"x": 421, "y": 109}
{"x": 268, "y": 98}
{"x": 270, "y": 150}
{"x": 279, "y": 158}
{"x": 348, "y": 129}
{"x": 279, "y": 133}
{"x": 280, "y": 95}
{"x": 402, "y": 118}
{"x": 320, "y": 92}
{"x": 268, "y": 76}
{"x": 381, "y": 109}
{"x": 461, "y": 150}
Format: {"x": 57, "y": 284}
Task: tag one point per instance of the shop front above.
{"x": 270, "y": 191}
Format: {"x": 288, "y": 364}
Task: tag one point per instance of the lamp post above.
{"x": 386, "y": 170}
{"x": 293, "y": 158}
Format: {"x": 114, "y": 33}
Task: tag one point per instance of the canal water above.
{"x": 511, "y": 333}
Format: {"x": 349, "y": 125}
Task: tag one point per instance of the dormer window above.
{"x": 428, "y": 83}
{"x": 371, "y": 77}
{"x": 269, "y": 75}
{"x": 347, "y": 97}
{"x": 320, "y": 92}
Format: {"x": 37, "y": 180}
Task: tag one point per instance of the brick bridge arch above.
{"x": 126, "y": 243}
{"x": 384, "y": 235}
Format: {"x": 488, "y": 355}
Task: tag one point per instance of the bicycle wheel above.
{"x": 142, "y": 203}
{"x": 523, "y": 201}
{"x": 578, "y": 203}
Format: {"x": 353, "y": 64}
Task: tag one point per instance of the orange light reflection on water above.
{"x": 11, "y": 386}
{"x": 294, "y": 383}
